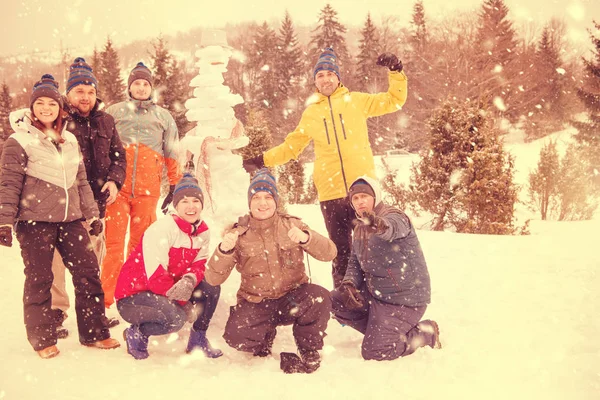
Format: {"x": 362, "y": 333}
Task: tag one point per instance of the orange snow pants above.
{"x": 136, "y": 212}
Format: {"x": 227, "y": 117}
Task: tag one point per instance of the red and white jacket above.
{"x": 169, "y": 249}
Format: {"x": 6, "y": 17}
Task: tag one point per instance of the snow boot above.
{"x": 110, "y": 322}
{"x": 430, "y": 327}
{"x": 137, "y": 342}
{"x": 62, "y": 332}
{"x": 265, "y": 349}
{"x": 48, "y": 352}
{"x": 198, "y": 340}
{"x": 311, "y": 360}
{"x": 290, "y": 363}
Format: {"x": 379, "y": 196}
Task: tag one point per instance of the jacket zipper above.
{"x": 343, "y": 126}
{"x": 393, "y": 280}
{"x": 337, "y": 142}
{"x": 326, "y": 131}
{"x": 135, "y": 158}
{"x": 62, "y": 161}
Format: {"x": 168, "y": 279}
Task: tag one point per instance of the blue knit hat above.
{"x": 80, "y": 73}
{"x": 327, "y": 61}
{"x": 140, "y": 71}
{"x": 263, "y": 181}
{"x": 46, "y": 87}
{"x": 187, "y": 186}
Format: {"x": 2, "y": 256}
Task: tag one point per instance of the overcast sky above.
{"x": 30, "y": 25}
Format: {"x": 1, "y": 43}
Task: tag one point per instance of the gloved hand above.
{"x": 168, "y": 200}
{"x": 350, "y": 296}
{"x": 183, "y": 289}
{"x": 6, "y": 236}
{"x": 390, "y": 60}
{"x": 96, "y": 227}
{"x": 229, "y": 241}
{"x": 376, "y": 223}
{"x": 253, "y": 164}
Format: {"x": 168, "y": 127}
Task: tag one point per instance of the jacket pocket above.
{"x": 326, "y": 131}
{"x": 253, "y": 262}
{"x": 343, "y": 126}
{"x": 291, "y": 254}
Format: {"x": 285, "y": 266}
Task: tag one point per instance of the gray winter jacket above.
{"x": 41, "y": 181}
{"x": 391, "y": 264}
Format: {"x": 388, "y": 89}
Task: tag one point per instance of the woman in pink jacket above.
{"x": 163, "y": 278}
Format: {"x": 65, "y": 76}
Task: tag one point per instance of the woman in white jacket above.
{"x": 44, "y": 194}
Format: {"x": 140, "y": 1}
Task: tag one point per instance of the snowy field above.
{"x": 518, "y": 320}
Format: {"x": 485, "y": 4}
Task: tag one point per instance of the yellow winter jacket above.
{"x": 338, "y": 127}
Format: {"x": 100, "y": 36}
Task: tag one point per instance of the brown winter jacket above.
{"x": 40, "y": 182}
{"x": 270, "y": 263}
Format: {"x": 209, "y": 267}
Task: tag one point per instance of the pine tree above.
{"x": 419, "y": 38}
{"x": 96, "y": 64}
{"x": 262, "y": 60}
{"x": 465, "y": 178}
{"x": 369, "y": 76}
{"x": 588, "y": 136}
{"x": 550, "y": 104}
{"x": 497, "y": 53}
{"x": 289, "y": 73}
{"x": 257, "y": 130}
{"x": 291, "y": 181}
{"x": 161, "y": 64}
{"x": 575, "y": 195}
{"x": 113, "y": 86}
{"x": 5, "y": 109}
{"x": 330, "y": 33}
{"x": 543, "y": 181}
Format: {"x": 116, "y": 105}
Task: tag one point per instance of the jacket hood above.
{"x": 374, "y": 185}
{"x": 20, "y": 120}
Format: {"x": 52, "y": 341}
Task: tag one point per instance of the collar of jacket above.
{"x": 190, "y": 229}
{"x": 264, "y": 224}
{"x": 144, "y": 104}
{"x": 318, "y": 97}
{"x": 22, "y": 120}
{"x": 75, "y": 114}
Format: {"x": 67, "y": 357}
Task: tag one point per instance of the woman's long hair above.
{"x": 57, "y": 126}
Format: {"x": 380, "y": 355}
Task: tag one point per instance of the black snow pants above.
{"x": 38, "y": 241}
{"x": 338, "y": 215}
{"x": 391, "y": 331}
{"x": 307, "y": 307}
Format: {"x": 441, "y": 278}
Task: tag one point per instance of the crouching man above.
{"x": 267, "y": 248}
{"x": 386, "y": 288}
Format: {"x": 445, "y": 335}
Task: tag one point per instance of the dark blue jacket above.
{"x": 391, "y": 264}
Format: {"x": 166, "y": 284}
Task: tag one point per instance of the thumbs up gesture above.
{"x": 229, "y": 241}
{"x": 298, "y": 235}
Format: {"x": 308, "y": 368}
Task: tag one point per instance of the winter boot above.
{"x": 265, "y": 349}
{"x": 290, "y": 363}
{"x": 311, "y": 359}
{"x": 431, "y": 328}
{"x": 48, "y": 352}
{"x": 62, "y": 332}
{"x": 137, "y": 342}
{"x": 198, "y": 340}
{"x": 110, "y": 322}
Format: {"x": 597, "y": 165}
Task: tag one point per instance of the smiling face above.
{"x": 140, "y": 89}
{"x": 363, "y": 202}
{"x": 189, "y": 209}
{"x": 46, "y": 110}
{"x": 262, "y": 205}
{"x": 83, "y": 98}
{"x": 327, "y": 82}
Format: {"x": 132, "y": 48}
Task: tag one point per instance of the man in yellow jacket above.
{"x": 336, "y": 121}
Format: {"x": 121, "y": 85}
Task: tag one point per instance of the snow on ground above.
{"x": 518, "y": 320}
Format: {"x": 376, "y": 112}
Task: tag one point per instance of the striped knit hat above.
{"x": 140, "y": 72}
{"x": 46, "y": 87}
{"x": 263, "y": 181}
{"x": 80, "y": 73}
{"x": 327, "y": 61}
{"x": 187, "y": 186}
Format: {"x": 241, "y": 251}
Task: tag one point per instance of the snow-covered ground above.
{"x": 518, "y": 320}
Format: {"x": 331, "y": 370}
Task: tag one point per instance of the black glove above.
{"x": 389, "y": 60}
{"x": 376, "y": 223}
{"x": 6, "y": 236}
{"x": 168, "y": 200}
{"x": 253, "y": 164}
{"x": 96, "y": 227}
{"x": 350, "y": 296}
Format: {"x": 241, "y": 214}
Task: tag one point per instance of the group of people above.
{"x": 70, "y": 169}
